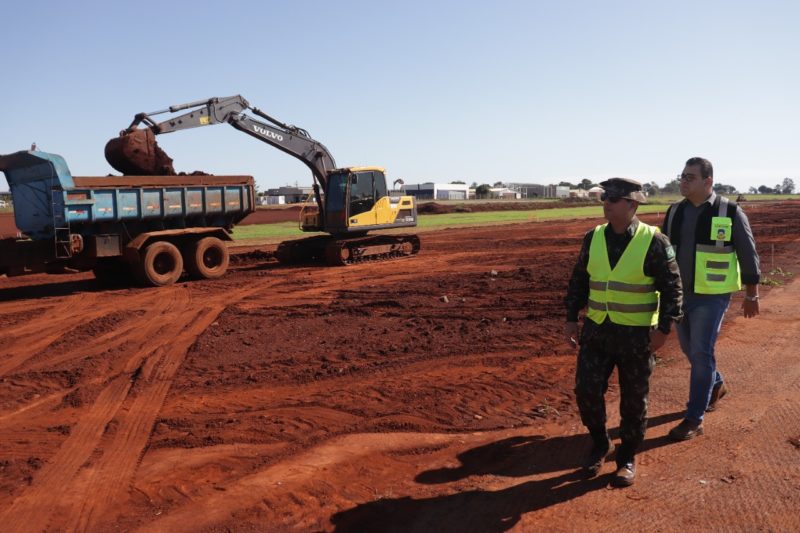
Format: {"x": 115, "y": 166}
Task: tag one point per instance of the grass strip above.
{"x": 290, "y": 230}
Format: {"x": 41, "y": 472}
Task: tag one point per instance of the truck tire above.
{"x": 207, "y": 258}
{"x": 160, "y": 264}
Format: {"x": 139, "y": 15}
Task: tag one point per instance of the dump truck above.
{"x": 149, "y": 228}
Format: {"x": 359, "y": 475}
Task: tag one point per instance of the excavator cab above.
{"x": 357, "y": 200}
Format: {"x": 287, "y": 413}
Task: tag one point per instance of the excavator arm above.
{"x": 135, "y": 151}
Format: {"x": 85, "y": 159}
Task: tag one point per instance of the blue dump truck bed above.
{"x": 90, "y": 222}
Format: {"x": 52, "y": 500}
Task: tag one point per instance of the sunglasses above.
{"x": 686, "y": 178}
{"x": 612, "y": 199}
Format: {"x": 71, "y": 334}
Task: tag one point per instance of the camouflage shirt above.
{"x": 659, "y": 263}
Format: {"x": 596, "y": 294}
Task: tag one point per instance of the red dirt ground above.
{"x": 431, "y": 393}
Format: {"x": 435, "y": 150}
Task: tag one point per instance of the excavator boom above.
{"x": 136, "y": 151}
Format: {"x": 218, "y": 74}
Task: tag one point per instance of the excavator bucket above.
{"x": 136, "y": 153}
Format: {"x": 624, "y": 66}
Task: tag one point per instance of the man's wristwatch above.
{"x": 751, "y": 298}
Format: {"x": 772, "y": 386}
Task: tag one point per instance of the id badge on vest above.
{"x": 721, "y": 229}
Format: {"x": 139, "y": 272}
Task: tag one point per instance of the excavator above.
{"x": 349, "y": 202}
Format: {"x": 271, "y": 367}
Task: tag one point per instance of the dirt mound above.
{"x": 432, "y": 208}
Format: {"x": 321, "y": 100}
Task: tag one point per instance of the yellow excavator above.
{"x": 349, "y": 201}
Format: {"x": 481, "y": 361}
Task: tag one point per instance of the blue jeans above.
{"x": 697, "y": 333}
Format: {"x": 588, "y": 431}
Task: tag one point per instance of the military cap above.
{"x": 624, "y": 188}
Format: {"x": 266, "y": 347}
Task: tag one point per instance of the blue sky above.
{"x": 537, "y": 91}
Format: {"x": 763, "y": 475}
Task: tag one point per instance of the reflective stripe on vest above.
{"x": 624, "y": 294}
{"x": 716, "y": 268}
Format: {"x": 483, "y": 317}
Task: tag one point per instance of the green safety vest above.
{"x": 716, "y": 267}
{"x": 625, "y": 294}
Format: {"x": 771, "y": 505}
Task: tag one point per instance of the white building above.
{"x": 287, "y": 195}
{"x": 438, "y": 191}
{"x": 504, "y": 193}
{"x": 595, "y": 192}
{"x": 534, "y": 190}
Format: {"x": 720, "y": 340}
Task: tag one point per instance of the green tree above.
{"x": 585, "y": 184}
{"x": 498, "y": 184}
{"x": 567, "y": 184}
{"x": 651, "y": 189}
{"x": 788, "y": 186}
{"x": 458, "y": 183}
{"x": 763, "y": 189}
{"x": 672, "y": 187}
{"x": 721, "y": 188}
{"x": 482, "y": 191}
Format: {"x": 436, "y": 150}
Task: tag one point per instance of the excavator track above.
{"x": 337, "y": 251}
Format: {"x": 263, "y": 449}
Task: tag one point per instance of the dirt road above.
{"x": 423, "y": 394}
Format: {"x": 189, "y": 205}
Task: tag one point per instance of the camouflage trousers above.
{"x": 602, "y": 348}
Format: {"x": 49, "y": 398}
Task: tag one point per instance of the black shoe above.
{"x": 597, "y": 456}
{"x": 625, "y": 475}
{"x": 717, "y": 393}
{"x": 686, "y": 430}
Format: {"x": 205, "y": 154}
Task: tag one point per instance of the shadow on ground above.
{"x": 489, "y": 511}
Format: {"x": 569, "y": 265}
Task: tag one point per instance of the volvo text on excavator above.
{"x": 349, "y": 201}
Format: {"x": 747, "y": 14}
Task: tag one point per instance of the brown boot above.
{"x": 686, "y": 430}
{"x": 717, "y": 393}
{"x": 625, "y": 474}
{"x": 597, "y": 456}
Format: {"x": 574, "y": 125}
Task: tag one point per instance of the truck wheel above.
{"x": 207, "y": 258}
{"x": 161, "y": 264}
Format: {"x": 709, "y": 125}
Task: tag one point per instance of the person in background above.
{"x": 716, "y": 253}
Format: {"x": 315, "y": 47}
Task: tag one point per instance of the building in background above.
{"x": 504, "y": 193}
{"x": 533, "y": 190}
{"x": 595, "y": 192}
{"x": 285, "y": 195}
{"x": 438, "y": 191}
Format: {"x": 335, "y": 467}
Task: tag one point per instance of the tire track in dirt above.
{"x": 31, "y": 511}
{"x": 105, "y": 342}
{"x": 34, "y": 359}
{"x": 157, "y": 361}
{"x": 28, "y": 340}
{"x": 282, "y": 396}
{"x": 305, "y": 407}
{"x": 287, "y": 476}
{"x": 112, "y": 474}
{"x": 28, "y": 509}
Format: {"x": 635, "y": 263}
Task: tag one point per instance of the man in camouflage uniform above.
{"x": 630, "y": 281}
